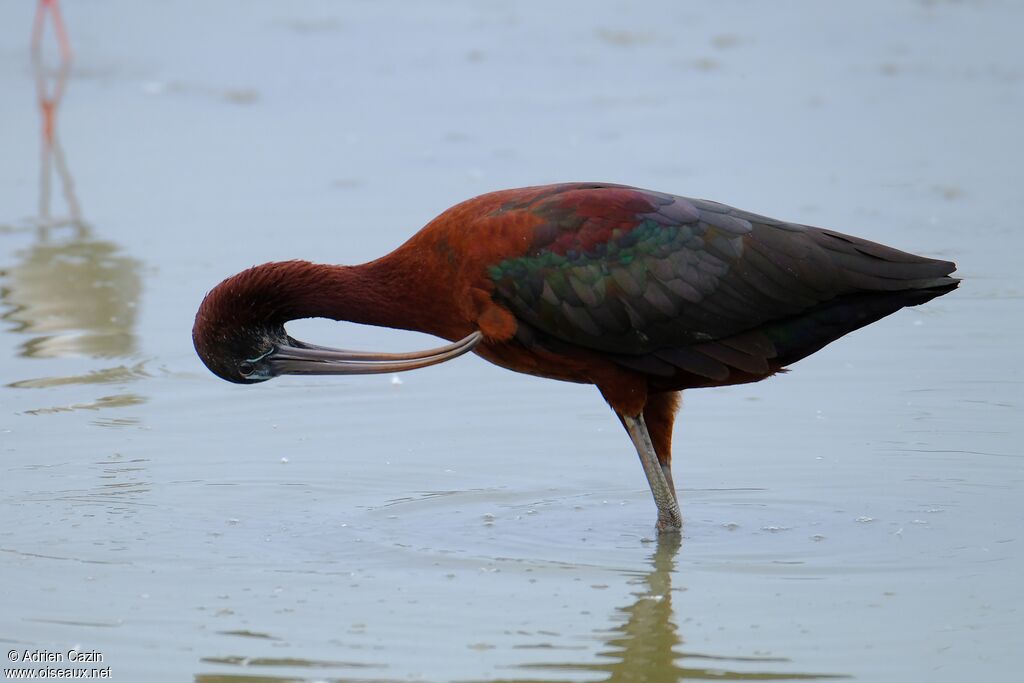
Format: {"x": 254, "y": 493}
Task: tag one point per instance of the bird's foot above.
{"x": 669, "y": 521}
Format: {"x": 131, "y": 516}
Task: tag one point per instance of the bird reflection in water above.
{"x": 72, "y": 293}
{"x": 646, "y": 646}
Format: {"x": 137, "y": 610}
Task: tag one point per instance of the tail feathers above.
{"x": 870, "y": 266}
{"x": 802, "y": 335}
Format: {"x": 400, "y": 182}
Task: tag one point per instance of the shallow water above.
{"x": 859, "y": 517}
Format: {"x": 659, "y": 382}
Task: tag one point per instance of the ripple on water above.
{"x": 747, "y": 531}
{"x": 115, "y": 375}
{"x": 103, "y": 402}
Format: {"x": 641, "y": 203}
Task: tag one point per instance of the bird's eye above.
{"x": 245, "y": 368}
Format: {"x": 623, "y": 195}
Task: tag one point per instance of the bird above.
{"x": 643, "y": 294}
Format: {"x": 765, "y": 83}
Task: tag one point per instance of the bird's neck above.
{"x": 386, "y": 292}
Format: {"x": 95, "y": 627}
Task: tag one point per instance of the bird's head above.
{"x": 239, "y": 331}
{"x": 239, "y": 326}
{"x": 240, "y": 355}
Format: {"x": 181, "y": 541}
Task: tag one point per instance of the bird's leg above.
{"x": 666, "y": 470}
{"x": 660, "y": 416}
{"x": 669, "y": 517}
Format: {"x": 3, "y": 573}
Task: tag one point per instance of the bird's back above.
{"x": 691, "y": 292}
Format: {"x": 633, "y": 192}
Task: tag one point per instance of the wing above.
{"x": 666, "y": 283}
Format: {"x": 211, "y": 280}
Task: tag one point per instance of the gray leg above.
{"x": 667, "y": 471}
{"x": 669, "y": 518}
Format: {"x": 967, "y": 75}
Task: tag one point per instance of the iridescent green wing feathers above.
{"x": 667, "y": 284}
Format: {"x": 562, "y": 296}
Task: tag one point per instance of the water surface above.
{"x": 860, "y": 517}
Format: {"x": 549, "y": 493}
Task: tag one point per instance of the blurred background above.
{"x": 861, "y": 516}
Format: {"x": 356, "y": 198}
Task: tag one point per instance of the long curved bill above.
{"x": 299, "y": 358}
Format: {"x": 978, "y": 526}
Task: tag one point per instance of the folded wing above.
{"x": 695, "y": 292}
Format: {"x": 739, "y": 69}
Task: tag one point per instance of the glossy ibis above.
{"x": 641, "y": 293}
